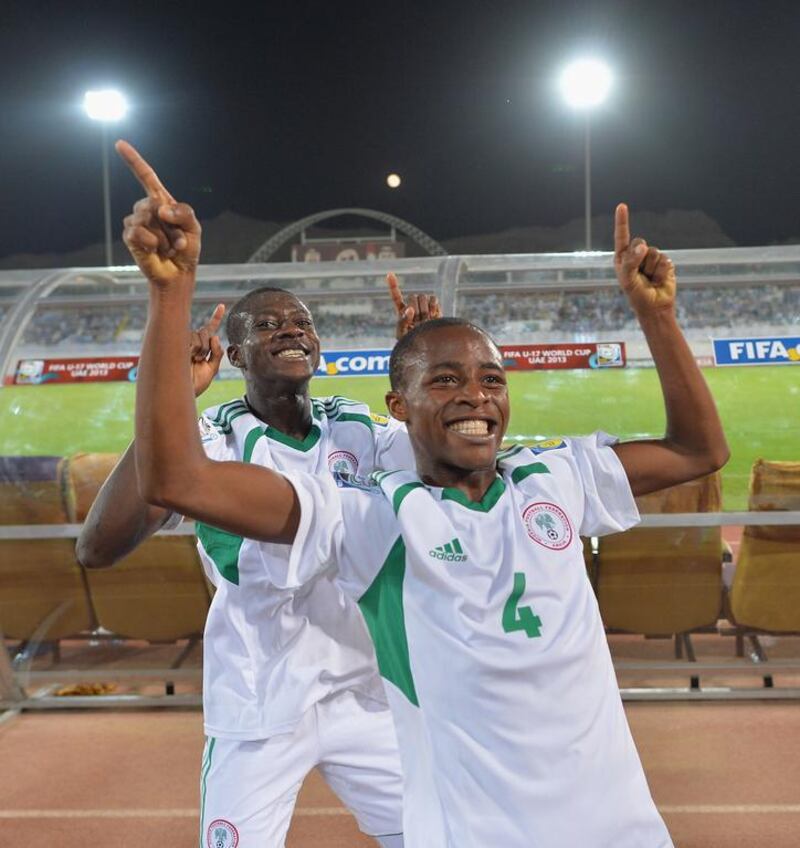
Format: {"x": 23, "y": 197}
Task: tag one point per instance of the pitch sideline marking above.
{"x": 693, "y": 809}
{"x": 180, "y": 813}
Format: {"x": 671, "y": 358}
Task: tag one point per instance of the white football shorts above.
{"x": 248, "y": 789}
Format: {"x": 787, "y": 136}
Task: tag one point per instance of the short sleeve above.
{"x": 392, "y": 446}
{"x": 609, "y": 506}
{"x": 342, "y": 531}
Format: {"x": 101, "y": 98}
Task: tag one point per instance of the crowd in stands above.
{"x": 564, "y": 314}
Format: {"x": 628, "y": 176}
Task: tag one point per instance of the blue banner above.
{"x": 767, "y": 350}
{"x": 354, "y": 363}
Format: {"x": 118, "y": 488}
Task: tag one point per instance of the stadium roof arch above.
{"x": 275, "y": 242}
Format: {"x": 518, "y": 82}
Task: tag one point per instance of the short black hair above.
{"x": 235, "y": 324}
{"x": 398, "y": 361}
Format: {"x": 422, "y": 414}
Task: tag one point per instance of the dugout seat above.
{"x": 44, "y": 595}
{"x": 765, "y": 593}
{"x": 664, "y": 581}
{"x": 157, "y": 593}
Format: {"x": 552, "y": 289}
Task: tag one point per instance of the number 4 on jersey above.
{"x": 520, "y": 618}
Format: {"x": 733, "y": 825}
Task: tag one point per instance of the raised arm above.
{"x": 172, "y": 468}
{"x": 694, "y": 443}
{"x": 119, "y": 519}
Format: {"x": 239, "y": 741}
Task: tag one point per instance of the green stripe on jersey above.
{"x": 507, "y": 453}
{"x": 333, "y": 405}
{"x": 223, "y": 409}
{"x": 223, "y": 547}
{"x": 227, "y": 411}
{"x": 303, "y": 445}
{"x": 205, "y": 767}
{"x": 523, "y": 471}
{"x": 382, "y": 608}
{"x": 250, "y": 443}
{"x": 228, "y": 428}
{"x": 401, "y": 492}
{"x": 355, "y": 416}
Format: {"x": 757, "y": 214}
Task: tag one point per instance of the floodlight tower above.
{"x": 106, "y": 106}
{"x": 585, "y": 85}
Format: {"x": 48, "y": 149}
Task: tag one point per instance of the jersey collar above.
{"x": 302, "y": 445}
{"x": 490, "y": 498}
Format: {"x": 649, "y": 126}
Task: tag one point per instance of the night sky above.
{"x": 280, "y": 110}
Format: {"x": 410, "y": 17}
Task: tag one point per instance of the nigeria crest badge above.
{"x": 222, "y": 834}
{"x": 548, "y": 525}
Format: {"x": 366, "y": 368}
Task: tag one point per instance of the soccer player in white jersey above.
{"x": 469, "y": 572}
{"x": 289, "y": 677}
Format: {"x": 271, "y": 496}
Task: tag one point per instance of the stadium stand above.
{"x": 509, "y": 317}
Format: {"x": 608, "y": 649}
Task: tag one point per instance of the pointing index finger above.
{"x": 622, "y": 230}
{"x": 143, "y": 172}
{"x": 394, "y": 291}
{"x": 216, "y": 318}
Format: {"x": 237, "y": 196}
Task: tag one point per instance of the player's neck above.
{"x": 285, "y": 407}
{"x": 472, "y": 483}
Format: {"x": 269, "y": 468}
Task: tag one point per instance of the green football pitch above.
{"x": 760, "y": 407}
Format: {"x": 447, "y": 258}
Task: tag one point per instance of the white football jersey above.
{"x": 488, "y": 636}
{"x": 270, "y": 654}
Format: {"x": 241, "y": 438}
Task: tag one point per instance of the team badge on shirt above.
{"x": 342, "y": 462}
{"x": 222, "y": 834}
{"x": 547, "y": 445}
{"x": 208, "y": 429}
{"x": 380, "y": 420}
{"x": 351, "y": 481}
{"x": 548, "y": 525}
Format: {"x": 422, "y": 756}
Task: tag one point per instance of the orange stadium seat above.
{"x": 765, "y": 594}
{"x": 660, "y": 582}
{"x": 158, "y": 592}
{"x": 44, "y": 595}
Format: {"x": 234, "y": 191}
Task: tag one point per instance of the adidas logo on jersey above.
{"x": 451, "y": 552}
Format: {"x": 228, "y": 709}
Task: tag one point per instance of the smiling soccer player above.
{"x": 289, "y": 677}
{"x": 509, "y": 720}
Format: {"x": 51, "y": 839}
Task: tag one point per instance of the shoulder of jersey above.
{"x": 536, "y": 448}
{"x": 520, "y": 454}
{"x": 219, "y": 419}
{"x": 336, "y": 408}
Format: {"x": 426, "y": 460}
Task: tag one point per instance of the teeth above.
{"x": 472, "y": 427}
{"x": 292, "y": 354}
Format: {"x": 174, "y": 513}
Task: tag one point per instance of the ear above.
{"x": 396, "y": 405}
{"x": 235, "y": 356}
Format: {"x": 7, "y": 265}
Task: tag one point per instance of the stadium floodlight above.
{"x": 585, "y": 84}
{"x": 105, "y": 106}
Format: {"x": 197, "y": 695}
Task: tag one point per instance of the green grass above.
{"x": 760, "y": 407}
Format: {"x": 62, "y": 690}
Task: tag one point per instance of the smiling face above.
{"x": 454, "y": 400}
{"x": 275, "y": 339}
